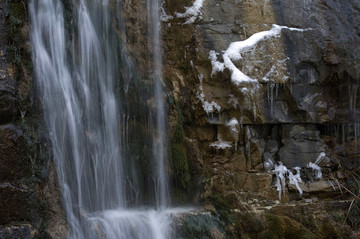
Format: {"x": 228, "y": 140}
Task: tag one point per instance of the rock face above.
{"x": 292, "y": 96}
{"x": 24, "y": 166}
{"x": 292, "y": 91}
{"x": 254, "y": 95}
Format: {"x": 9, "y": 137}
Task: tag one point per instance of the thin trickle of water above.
{"x": 159, "y": 142}
{"x": 78, "y": 71}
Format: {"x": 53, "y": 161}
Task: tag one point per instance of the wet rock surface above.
{"x": 303, "y": 104}
{"x": 24, "y": 163}
{"x": 14, "y": 203}
{"x": 16, "y": 232}
{"x": 15, "y": 162}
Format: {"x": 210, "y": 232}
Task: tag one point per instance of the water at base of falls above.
{"x": 137, "y": 224}
{"x": 82, "y": 74}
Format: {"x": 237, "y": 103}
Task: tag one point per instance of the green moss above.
{"x": 179, "y": 165}
{"x": 200, "y": 226}
{"x": 178, "y": 136}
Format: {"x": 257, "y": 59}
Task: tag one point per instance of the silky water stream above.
{"x": 83, "y": 73}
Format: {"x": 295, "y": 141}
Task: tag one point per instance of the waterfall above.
{"x": 159, "y": 144}
{"x": 77, "y": 69}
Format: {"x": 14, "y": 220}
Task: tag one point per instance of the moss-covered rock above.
{"x": 199, "y": 225}
{"x": 179, "y": 165}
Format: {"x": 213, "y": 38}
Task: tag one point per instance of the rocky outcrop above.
{"x": 293, "y": 83}
{"x": 255, "y": 95}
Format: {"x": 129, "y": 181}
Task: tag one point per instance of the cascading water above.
{"x": 159, "y": 146}
{"x": 88, "y": 122}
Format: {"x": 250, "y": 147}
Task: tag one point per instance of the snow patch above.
{"x": 192, "y": 13}
{"x": 221, "y": 144}
{"x": 235, "y": 49}
{"x": 216, "y": 65}
{"x": 163, "y": 16}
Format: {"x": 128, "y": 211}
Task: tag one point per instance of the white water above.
{"x": 159, "y": 142}
{"x": 78, "y": 82}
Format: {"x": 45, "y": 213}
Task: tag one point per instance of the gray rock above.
{"x": 301, "y": 146}
{"x": 16, "y": 232}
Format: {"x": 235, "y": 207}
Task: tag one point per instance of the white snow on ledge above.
{"x": 221, "y": 144}
{"x": 235, "y": 49}
{"x": 192, "y": 13}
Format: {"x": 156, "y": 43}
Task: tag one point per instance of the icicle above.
{"x": 254, "y": 111}
{"x": 280, "y": 171}
{"x": 272, "y": 99}
{"x": 320, "y": 157}
{"x": 317, "y": 170}
{"x": 268, "y": 165}
{"x": 234, "y": 124}
{"x": 296, "y": 179}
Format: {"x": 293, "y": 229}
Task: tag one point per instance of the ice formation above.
{"x": 316, "y": 167}
{"x": 295, "y": 179}
{"x": 282, "y": 172}
{"x": 317, "y": 170}
{"x": 209, "y": 107}
{"x": 320, "y": 157}
{"x": 163, "y": 16}
{"x": 233, "y": 124}
{"x": 234, "y": 101}
{"x": 235, "y": 49}
{"x": 192, "y": 13}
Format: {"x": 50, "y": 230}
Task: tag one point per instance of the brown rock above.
{"x": 257, "y": 182}
{"x": 13, "y": 204}
{"x": 206, "y": 133}
{"x": 319, "y": 186}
